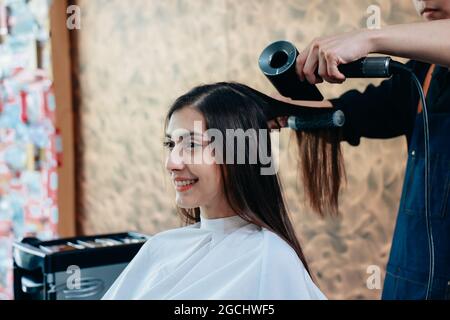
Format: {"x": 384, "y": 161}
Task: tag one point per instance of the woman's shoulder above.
{"x": 283, "y": 275}
{"x": 277, "y": 247}
{"x": 280, "y": 256}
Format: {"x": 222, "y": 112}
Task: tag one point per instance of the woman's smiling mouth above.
{"x": 183, "y": 184}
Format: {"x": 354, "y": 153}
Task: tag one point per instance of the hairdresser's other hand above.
{"x": 277, "y": 123}
{"x": 320, "y": 59}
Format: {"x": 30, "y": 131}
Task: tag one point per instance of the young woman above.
{"x": 239, "y": 242}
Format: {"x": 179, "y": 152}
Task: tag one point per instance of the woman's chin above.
{"x": 186, "y": 203}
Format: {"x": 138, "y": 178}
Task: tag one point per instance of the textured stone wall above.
{"x": 135, "y": 57}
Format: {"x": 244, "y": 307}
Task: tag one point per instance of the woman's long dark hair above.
{"x": 321, "y": 168}
{"x": 255, "y": 197}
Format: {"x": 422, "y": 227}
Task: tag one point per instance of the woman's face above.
{"x": 433, "y": 9}
{"x": 194, "y": 174}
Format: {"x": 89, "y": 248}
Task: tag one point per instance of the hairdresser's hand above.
{"x": 320, "y": 59}
{"x": 277, "y": 123}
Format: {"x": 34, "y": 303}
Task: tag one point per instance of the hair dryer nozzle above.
{"x": 277, "y": 62}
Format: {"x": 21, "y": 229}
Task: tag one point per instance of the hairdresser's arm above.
{"x": 383, "y": 111}
{"x": 423, "y": 41}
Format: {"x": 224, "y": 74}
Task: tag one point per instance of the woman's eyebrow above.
{"x": 190, "y": 133}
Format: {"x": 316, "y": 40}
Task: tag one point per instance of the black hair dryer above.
{"x": 277, "y": 62}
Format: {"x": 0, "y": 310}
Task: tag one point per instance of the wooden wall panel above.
{"x": 61, "y": 64}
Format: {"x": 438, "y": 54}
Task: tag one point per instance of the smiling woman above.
{"x": 239, "y": 242}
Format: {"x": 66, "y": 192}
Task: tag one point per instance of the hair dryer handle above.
{"x": 367, "y": 67}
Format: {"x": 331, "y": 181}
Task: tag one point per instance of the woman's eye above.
{"x": 187, "y": 145}
{"x": 168, "y": 144}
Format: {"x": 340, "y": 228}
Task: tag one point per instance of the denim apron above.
{"x": 409, "y": 266}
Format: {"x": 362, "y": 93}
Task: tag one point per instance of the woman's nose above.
{"x": 174, "y": 160}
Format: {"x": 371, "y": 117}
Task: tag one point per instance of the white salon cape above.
{"x": 224, "y": 258}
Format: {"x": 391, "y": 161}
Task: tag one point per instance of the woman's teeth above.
{"x": 184, "y": 182}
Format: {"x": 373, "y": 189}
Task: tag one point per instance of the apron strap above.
{"x": 426, "y": 86}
